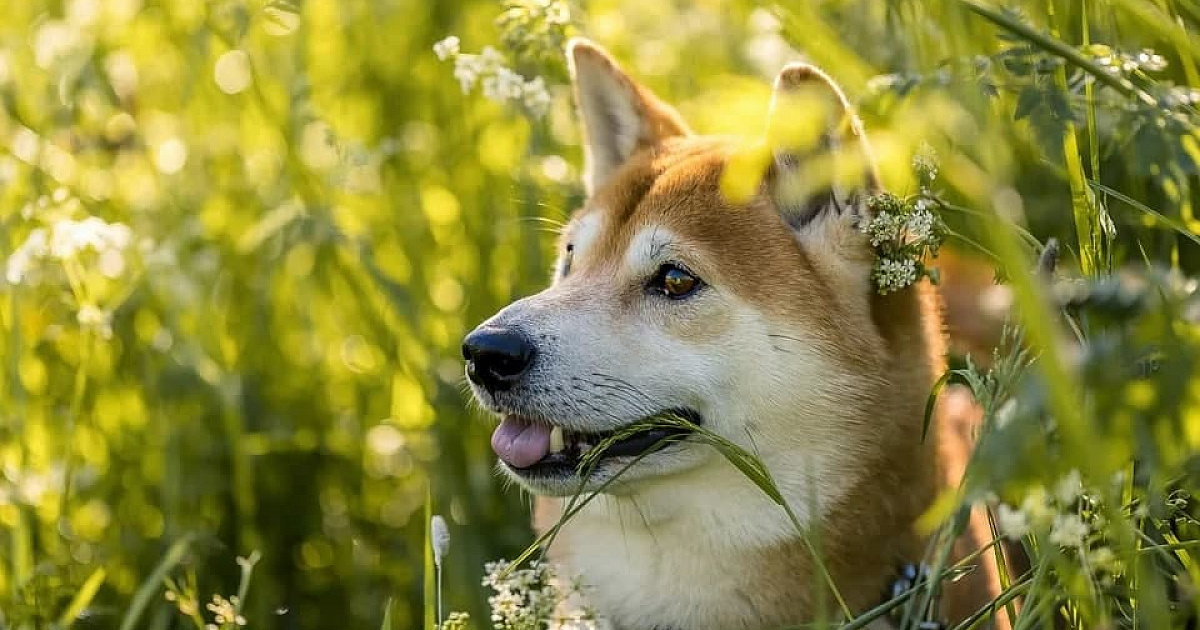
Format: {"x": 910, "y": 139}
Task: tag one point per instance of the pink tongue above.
{"x": 521, "y": 443}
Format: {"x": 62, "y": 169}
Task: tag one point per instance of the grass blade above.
{"x": 387, "y": 616}
{"x": 1058, "y": 49}
{"x": 932, "y": 401}
{"x": 82, "y": 598}
{"x": 430, "y": 582}
{"x": 151, "y": 585}
{"x": 1175, "y": 225}
{"x": 1090, "y": 219}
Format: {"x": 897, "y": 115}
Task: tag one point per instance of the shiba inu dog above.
{"x": 756, "y": 320}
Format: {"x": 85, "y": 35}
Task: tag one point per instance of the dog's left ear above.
{"x": 822, "y": 169}
{"x": 619, "y": 115}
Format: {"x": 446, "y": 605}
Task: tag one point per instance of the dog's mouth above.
{"x": 535, "y": 448}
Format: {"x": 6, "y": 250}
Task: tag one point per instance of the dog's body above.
{"x": 757, "y": 320}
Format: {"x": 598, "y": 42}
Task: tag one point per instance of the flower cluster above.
{"x": 1124, "y": 63}
{"x": 66, "y": 240}
{"x": 925, "y": 165}
{"x": 86, "y": 255}
{"x": 535, "y": 30}
{"x": 498, "y": 82}
{"x": 456, "y": 621}
{"x": 1067, "y": 514}
{"x": 903, "y": 232}
{"x": 534, "y": 599}
{"x": 225, "y": 612}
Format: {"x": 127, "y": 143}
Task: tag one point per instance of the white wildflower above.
{"x": 884, "y": 228}
{"x": 532, "y": 598}
{"x": 895, "y": 274}
{"x": 225, "y": 611}
{"x": 1151, "y": 61}
{"x": 1036, "y": 505}
{"x": 504, "y": 85}
{"x": 1012, "y": 523}
{"x": 1181, "y": 96}
{"x": 1103, "y": 559}
{"x": 558, "y": 13}
{"x": 20, "y": 266}
{"x": 446, "y": 48}
{"x": 1069, "y": 530}
{"x": 925, "y": 162}
{"x": 919, "y": 226}
{"x": 69, "y": 237}
{"x": 96, "y": 319}
{"x": 467, "y": 69}
{"x": 492, "y": 571}
{"x": 455, "y": 621}
{"x": 505, "y": 604}
{"x": 439, "y": 536}
{"x": 1068, "y": 489}
{"x": 491, "y": 58}
{"x": 574, "y": 623}
{"x": 536, "y": 97}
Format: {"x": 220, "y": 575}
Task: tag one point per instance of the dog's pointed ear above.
{"x": 618, "y": 115}
{"x": 822, "y": 168}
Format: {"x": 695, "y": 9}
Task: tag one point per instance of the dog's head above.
{"x": 751, "y": 318}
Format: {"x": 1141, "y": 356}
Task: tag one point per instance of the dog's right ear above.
{"x": 823, "y": 168}
{"x": 618, "y": 115}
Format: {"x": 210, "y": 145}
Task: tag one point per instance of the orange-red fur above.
{"x": 673, "y": 180}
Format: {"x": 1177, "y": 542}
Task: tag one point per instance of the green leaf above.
{"x": 1028, "y": 100}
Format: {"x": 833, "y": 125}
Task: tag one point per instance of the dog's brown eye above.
{"x": 675, "y": 282}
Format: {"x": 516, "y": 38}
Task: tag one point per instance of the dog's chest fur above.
{"x": 713, "y": 554}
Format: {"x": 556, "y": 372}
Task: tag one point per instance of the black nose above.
{"x": 496, "y": 357}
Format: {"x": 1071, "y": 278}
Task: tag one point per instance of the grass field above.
{"x": 242, "y": 240}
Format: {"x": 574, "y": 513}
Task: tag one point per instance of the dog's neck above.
{"x": 661, "y": 558}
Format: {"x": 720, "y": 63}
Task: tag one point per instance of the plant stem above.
{"x": 1058, "y": 49}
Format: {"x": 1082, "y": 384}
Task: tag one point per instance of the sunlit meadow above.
{"x": 241, "y": 240}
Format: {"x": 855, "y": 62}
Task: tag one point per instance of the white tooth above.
{"x": 556, "y": 440}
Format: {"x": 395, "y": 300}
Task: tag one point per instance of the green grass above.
{"x": 271, "y": 363}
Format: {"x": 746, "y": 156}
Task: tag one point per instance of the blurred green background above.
{"x": 305, "y": 214}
